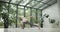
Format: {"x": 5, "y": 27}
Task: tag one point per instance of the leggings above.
{"x": 28, "y": 23}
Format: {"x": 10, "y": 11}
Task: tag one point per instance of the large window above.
{"x": 12, "y": 15}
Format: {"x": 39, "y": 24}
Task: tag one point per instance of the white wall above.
{"x": 53, "y": 13}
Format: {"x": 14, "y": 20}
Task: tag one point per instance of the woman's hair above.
{"x": 20, "y": 18}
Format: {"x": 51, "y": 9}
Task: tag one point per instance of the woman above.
{"x": 25, "y": 21}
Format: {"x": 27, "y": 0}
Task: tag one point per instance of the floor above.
{"x": 32, "y": 30}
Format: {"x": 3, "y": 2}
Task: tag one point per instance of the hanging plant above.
{"x": 52, "y": 21}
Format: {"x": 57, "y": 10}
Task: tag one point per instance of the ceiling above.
{"x": 38, "y": 4}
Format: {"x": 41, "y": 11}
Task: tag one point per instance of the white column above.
{"x": 59, "y": 10}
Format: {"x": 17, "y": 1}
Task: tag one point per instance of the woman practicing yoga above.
{"x": 25, "y": 21}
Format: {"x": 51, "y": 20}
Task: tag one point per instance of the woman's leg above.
{"x": 30, "y": 24}
{"x": 33, "y": 24}
{"x": 23, "y": 25}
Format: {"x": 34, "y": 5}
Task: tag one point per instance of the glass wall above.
{"x": 16, "y": 11}
{"x": 12, "y": 16}
{"x": 20, "y": 14}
